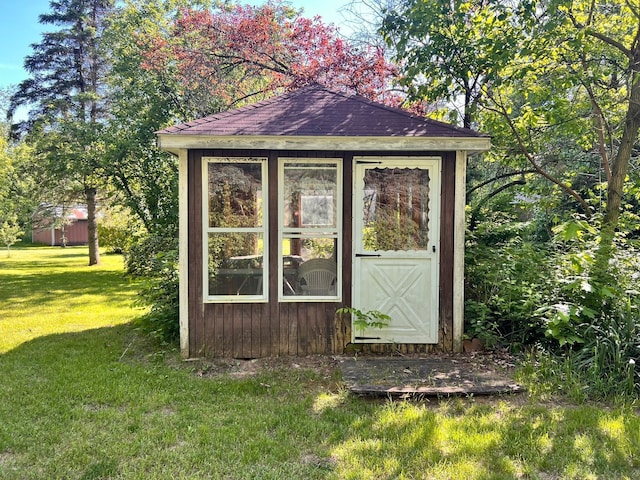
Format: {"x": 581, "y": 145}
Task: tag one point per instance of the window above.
{"x": 310, "y": 219}
{"x": 396, "y": 209}
{"x": 235, "y": 229}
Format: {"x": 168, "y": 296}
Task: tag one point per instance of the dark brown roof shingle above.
{"x": 317, "y": 111}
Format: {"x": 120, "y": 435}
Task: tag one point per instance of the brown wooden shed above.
{"x": 293, "y": 207}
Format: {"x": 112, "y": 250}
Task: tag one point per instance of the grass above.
{"x": 83, "y": 395}
{"x": 52, "y": 290}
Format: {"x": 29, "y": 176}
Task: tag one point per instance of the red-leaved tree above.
{"x": 240, "y": 54}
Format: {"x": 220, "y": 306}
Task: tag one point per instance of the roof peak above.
{"x": 317, "y": 110}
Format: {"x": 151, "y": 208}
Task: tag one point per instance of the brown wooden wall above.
{"x": 253, "y": 330}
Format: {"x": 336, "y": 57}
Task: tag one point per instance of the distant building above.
{"x": 58, "y": 225}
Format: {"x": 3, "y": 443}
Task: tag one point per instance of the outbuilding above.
{"x": 60, "y": 225}
{"x": 293, "y": 207}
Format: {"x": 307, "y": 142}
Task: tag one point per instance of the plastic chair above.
{"x": 317, "y": 277}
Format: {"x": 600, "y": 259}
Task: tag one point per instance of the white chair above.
{"x": 317, "y": 277}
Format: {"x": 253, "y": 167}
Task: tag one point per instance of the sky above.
{"x": 19, "y": 28}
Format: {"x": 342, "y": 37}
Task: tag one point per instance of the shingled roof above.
{"x": 317, "y": 111}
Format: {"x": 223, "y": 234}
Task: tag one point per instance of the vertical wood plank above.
{"x": 247, "y": 314}
{"x": 326, "y": 327}
{"x": 183, "y": 251}
{"x": 217, "y": 318}
{"x": 196, "y": 306}
{"x": 293, "y": 321}
{"x": 347, "y": 229}
{"x": 459, "y": 228}
{"x": 284, "y": 328}
{"x": 237, "y": 329}
{"x": 209, "y": 332}
{"x": 266, "y": 330}
{"x": 303, "y": 328}
{"x": 256, "y": 319}
{"x": 446, "y": 251}
{"x": 273, "y": 340}
{"x": 313, "y": 334}
{"x": 341, "y": 333}
{"x": 227, "y": 330}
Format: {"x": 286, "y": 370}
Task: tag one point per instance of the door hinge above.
{"x": 367, "y": 338}
{"x": 366, "y": 162}
{"x": 361, "y": 255}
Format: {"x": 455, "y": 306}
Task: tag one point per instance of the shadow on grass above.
{"x": 56, "y": 286}
{"x": 98, "y": 403}
{"x": 479, "y": 442}
{"x": 54, "y": 389}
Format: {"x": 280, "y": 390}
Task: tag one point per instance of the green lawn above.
{"x": 83, "y": 395}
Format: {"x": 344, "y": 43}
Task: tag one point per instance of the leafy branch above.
{"x": 369, "y": 319}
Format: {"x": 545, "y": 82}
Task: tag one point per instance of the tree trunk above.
{"x": 92, "y": 225}
{"x": 619, "y": 169}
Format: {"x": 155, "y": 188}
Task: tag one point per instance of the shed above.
{"x": 293, "y": 207}
{"x": 58, "y": 225}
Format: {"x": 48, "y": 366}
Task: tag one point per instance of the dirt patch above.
{"x": 8, "y": 459}
{"x": 443, "y": 374}
{"x": 238, "y": 368}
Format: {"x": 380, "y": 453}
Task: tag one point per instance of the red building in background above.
{"x": 57, "y": 225}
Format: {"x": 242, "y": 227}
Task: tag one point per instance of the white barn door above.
{"x": 396, "y": 247}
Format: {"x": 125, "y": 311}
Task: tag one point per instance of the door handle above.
{"x": 361, "y": 255}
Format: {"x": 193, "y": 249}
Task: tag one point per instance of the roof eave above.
{"x": 174, "y": 143}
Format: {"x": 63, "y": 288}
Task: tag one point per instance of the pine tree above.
{"x": 65, "y": 96}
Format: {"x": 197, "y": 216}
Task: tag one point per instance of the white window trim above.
{"x": 206, "y": 230}
{"x": 308, "y": 231}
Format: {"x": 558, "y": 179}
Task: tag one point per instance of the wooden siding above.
{"x": 447, "y": 207}
{"x": 253, "y": 330}
{"x": 77, "y": 233}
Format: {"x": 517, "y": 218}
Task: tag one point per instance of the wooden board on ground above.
{"x": 437, "y": 375}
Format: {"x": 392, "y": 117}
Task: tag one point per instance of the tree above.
{"x": 183, "y": 59}
{"x": 142, "y": 102}
{"x": 240, "y": 54}
{"x": 177, "y": 60}
{"x": 450, "y": 50}
{"x": 65, "y": 97}
{"x": 552, "y": 81}
{"x": 10, "y": 232}
{"x": 615, "y": 28}
{"x": 17, "y": 199}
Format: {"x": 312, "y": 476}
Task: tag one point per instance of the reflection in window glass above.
{"x": 310, "y": 219}
{"x": 310, "y": 195}
{"x": 396, "y": 209}
{"x": 235, "y": 195}
{"x": 236, "y": 264}
{"x": 235, "y": 229}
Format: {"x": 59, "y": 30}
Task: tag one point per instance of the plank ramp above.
{"x": 448, "y": 375}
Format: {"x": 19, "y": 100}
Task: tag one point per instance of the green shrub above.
{"x": 364, "y": 320}
{"x": 597, "y": 324}
{"x": 118, "y": 229}
{"x": 155, "y": 259}
{"x": 533, "y": 285}
{"x": 507, "y": 279}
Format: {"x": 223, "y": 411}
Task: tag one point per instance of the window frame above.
{"x": 317, "y": 231}
{"x": 207, "y": 229}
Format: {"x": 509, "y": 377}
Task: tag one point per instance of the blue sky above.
{"x": 19, "y": 28}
